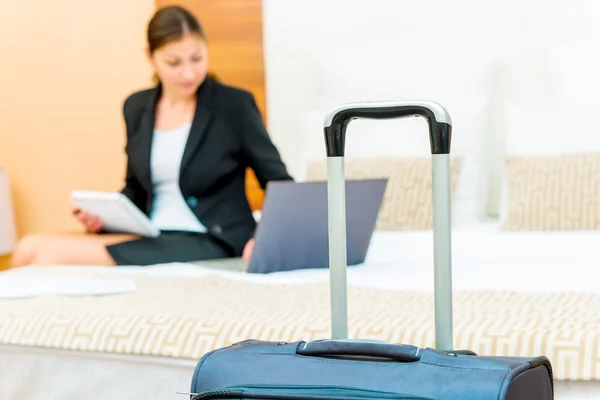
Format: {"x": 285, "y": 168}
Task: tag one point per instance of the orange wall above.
{"x": 66, "y": 69}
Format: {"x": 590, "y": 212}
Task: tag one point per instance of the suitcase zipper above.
{"x": 301, "y": 393}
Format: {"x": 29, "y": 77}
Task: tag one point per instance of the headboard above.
{"x": 235, "y": 37}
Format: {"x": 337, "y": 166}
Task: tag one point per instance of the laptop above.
{"x": 293, "y": 230}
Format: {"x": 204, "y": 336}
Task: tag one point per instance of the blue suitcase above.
{"x": 340, "y": 368}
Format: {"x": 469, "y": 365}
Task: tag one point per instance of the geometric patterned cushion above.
{"x": 553, "y": 192}
{"x": 407, "y": 202}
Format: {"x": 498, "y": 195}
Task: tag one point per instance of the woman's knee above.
{"x": 67, "y": 249}
{"x": 27, "y": 248}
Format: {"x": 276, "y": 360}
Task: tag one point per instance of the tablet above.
{"x": 119, "y": 214}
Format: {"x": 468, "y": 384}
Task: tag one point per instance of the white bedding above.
{"x": 482, "y": 256}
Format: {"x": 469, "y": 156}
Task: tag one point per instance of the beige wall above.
{"x": 66, "y": 67}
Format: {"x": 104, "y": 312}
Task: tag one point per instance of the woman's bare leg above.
{"x": 26, "y": 249}
{"x": 66, "y": 249}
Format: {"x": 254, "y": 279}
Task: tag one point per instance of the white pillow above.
{"x": 461, "y": 80}
{"x": 573, "y": 74}
{"x": 548, "y": 130}
{"x": 409, "y": 137}
{"x": 440, "y": 75}
{"x": 551, "y": 129}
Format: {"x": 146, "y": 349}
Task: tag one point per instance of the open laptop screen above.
{"x": 293, "y": 230}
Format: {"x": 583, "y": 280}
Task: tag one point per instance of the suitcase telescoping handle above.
{"x": 440, "y": 132}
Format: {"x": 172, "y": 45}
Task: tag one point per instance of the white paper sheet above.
{"x": 23, "y": 285}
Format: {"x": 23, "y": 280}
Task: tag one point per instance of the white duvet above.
{"x": 483, "y": 257}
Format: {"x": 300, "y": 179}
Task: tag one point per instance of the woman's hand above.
{"x": 92, "y": 223}
{"x": 247, "y": 254}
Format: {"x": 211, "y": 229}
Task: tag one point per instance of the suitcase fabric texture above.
{"x": 341, "y": 368}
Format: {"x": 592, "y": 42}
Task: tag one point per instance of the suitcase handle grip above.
{"x": 440, "y": 123}
{"x": 363, "y": 348}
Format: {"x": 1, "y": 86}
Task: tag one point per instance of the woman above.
{"x": 190, "y": 140}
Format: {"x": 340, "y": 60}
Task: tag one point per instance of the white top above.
{"x": 170, "y": 211}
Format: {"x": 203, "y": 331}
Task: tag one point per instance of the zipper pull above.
{"x": 223, "y": 393}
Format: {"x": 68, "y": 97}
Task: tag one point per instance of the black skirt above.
{"x": 170, "y": 246}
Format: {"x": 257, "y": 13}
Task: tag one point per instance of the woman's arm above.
{"x": 132, "y": 189}
{"x": 263, "y": 157}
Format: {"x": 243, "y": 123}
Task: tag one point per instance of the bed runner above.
{"x": 185, "y": 317}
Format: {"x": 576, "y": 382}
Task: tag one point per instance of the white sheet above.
{"x": 14, "y": 285}
{"x": 38, "y": 373}
{"x": 482, "y": 256}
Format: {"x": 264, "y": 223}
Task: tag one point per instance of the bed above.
{"x": 529, "y": 290}
{"x": 513, "y": 296}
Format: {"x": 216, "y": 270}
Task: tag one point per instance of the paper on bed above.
{"x": 20, "y": 285}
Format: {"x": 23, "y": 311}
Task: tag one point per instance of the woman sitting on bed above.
{"x": 190, "y": 140}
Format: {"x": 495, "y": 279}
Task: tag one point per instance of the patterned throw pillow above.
{"x": 407, "y": 202}
{"x": 553, "y": 192}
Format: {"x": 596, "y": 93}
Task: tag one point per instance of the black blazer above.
{"x": 227, "y": 136}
